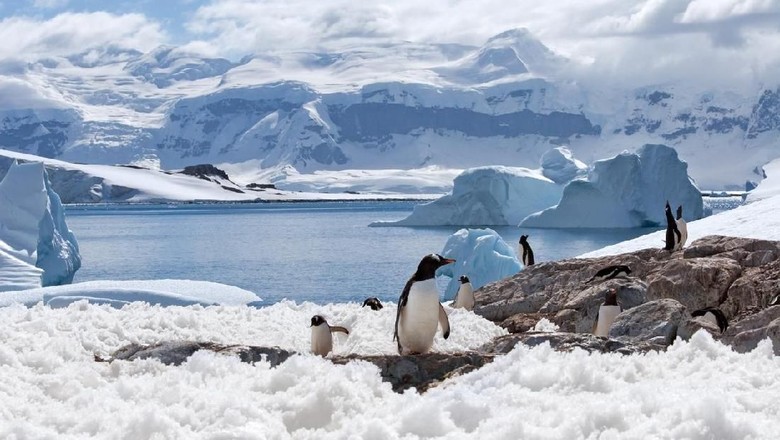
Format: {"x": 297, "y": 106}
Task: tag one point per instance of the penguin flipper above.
{"x": 401, "y": 304}
{"x": 595, "y": 323}
{"x": 336, "y": 328}
{"x": 444, "y": 322}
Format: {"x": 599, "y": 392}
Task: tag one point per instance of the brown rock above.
{"x": 696, "y": 283}
{"x": 747, "y": 333}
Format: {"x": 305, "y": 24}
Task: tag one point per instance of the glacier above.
{"x": 626, "y": 191}
{"x": 486, "y": 196}
{"x": 32, "y": 222}
{"x": 560, "y": 166}
{"x": 480, "y": 254}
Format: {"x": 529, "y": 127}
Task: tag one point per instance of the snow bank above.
{"x": 480, "y": 254}
{"x": 560, "y": 166}
{"x": 627, "y": 191}
{"x": 32, "y": 222}
{"x": 120, "y": 293}
{"x": 770, "y": 186}
{"x": 54, "y": 389}
{"x": 756, "y": 219}
{"x": 481, "y": 196}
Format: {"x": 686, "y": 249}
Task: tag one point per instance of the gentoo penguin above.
{"x": 321, "y": 339}
{"x": 672, "y": 233}
{"x": 606, "y": 314}
{"x": 465, "y": 296}
{"x": 610, "y": 272}
{"x": 525, "y": 252}
{"x": 682, "y": 226}
{"x": 714, "y": 316}
{"x": 419, "y": 310}
{"x": 373, "y": 303}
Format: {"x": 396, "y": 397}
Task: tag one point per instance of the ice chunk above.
{"x": 484, "y": 196}
{"x": 480, "y": 254}
{"x": 32, "y": 221}
{"x": 560, "y": 166}
{"x": 626, "y": 191}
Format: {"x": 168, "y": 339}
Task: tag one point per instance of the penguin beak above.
{"x": 447, "y": 261}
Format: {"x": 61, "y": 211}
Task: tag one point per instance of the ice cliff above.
{"x": 626, "y": 191}
{"x": 493, "y": 195}
{"x": 480, "y": 254}
{"x": 33, "y": 228}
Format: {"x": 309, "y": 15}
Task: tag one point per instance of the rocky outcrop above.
{"x": 738, "y": 275}
{"x": 655, "y": 321}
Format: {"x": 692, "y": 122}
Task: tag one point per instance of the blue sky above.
{"x": 729, "y": 39}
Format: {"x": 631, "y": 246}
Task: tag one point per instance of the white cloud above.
{"x": 69, "y": 33}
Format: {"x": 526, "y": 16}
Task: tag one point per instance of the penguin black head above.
{"x": 679, "y": 212}
{"x": 464, "y": 279}
{"x": 611, "y": 297}
{"x": 317, "y": 321}
{"x": 428, "y": 265}
{"x": 373, "y": 303}
{"x": 523, "y": 239}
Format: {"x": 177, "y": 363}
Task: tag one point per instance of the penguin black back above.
{"x": 672, "y": 233}
{"x": 720, "y": 318}
{"x": 373, "y": 303}
{"x": 528, "y": 253}
{"x": 610, "y": 272}
{"x": 679, "y": 212}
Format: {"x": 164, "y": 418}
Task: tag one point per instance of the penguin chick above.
{"x": 465, "y": 297}
{"x": 321, "y": 338}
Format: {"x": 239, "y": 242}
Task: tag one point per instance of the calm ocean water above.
{"x": 315, "y": 251}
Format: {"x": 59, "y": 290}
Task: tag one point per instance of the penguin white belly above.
{"x": 683, "y": 228}
{"x": 321, "y": 340}
{"x": 465, "y": 298}
{"x": 607, "y": 315}
{"x": 710, "y": 317}
{"x": 420, "y": 317}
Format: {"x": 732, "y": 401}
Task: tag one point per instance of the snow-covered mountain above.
{"x": 398, "y": 106}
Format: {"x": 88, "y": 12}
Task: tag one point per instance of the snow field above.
{"x": 50, "y": 387}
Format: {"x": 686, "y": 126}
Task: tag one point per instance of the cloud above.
{"x": 68, "y": 33}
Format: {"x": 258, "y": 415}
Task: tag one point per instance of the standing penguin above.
{"x": 419, "y": 310}
{"x": 606, "y": 314}
{"x": 682, "y": 226}
{"x": 672, "y": 233}
{"x": 525, "y": 252}
{"x": 321, "y": 339}
{"x": 465, "y": 296}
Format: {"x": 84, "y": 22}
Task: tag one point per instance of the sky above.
{"x": 730, "y": 40}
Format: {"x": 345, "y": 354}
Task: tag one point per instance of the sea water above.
{"x": 314, "y": 251}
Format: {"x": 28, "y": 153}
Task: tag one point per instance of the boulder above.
{"x": 563, "y": 341}
{"x": 654, "y": 321}
{"x": 696, "y": 282}
{"x": 753, "y": 291}
{"x": 745, "y": 334}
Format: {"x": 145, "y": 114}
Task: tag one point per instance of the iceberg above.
{"x": 32, "y": 225}
{"x": 626, "y": 191}
{"x": 560, "y": 166}
{"x": 483, "y": 196}
{"x": 480, "y": 254}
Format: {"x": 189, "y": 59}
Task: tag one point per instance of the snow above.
{"x": 626, "y": 191}
{"x": 480, "y": 254}
{"x": 32, "y": 223}
{"x": 482, "y": 196}
{"x": 119, "y": 293}
{"x": 108, "y": 183}
{"x": 53, "y": 388}
{"x": 560, "y": 166}
{"x": 756, "y": 219}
